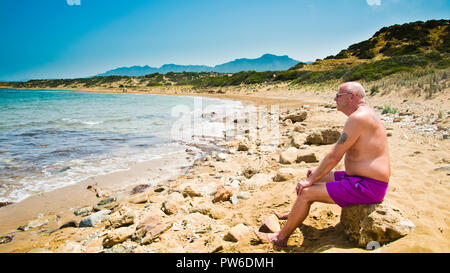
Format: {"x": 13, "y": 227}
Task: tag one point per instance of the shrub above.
{"x": 378, "y": 69}
{"x": 286, "y": 75}
{"x": 388, "y": 109}
{"x": 374, "y": 90}
{"x": 152, "y": 83}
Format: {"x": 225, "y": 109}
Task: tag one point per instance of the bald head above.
{"x": 353, "y": 87}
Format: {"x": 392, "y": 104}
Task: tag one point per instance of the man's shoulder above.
{"x": 358, "y": 116}
{"x": 362, "y": 114}
{"x": 365, "y": 118}
{"x": 361, "y": 117}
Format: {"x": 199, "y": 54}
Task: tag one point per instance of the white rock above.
{"x": 95, "y": 219}
{"x": 289, "y": 156}
{"x": 257, "y": 181}
{"x": 222, "y": 156}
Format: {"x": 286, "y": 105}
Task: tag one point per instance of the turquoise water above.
{"x": 50, "y": 139}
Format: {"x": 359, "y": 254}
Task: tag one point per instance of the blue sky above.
{"x": 79, "y": 38}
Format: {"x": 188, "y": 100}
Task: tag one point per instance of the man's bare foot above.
{"x": 270, "y": 238}
{"x": 282, "y": 216}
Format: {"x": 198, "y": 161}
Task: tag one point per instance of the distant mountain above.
{"x": 266, "y": 62}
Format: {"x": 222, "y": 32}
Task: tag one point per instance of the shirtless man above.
{"x": 367, "y": 166}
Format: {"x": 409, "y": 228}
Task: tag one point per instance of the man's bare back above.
{"x": 369, "y": 155}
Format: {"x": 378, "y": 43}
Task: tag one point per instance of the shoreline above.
{"x": 142, "y": 93}
{"x": 409, "y": 193}
{"x": 135, "y": 172}
{"x": 63, "y": 201}
{"x": 257, "y": 99}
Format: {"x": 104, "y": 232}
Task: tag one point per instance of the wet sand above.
{"x": 63, "y": 201}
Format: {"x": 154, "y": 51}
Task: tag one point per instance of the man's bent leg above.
{"x": 298, "y": 213}
{"x": 327, "y": 178}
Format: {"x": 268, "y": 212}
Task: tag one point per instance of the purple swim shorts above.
{"x": 351, "y": 190}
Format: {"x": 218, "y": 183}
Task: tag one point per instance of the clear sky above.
{"x": 78, "y": 38}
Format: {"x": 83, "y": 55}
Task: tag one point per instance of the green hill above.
{"x": 406, "y": 39}
{"x": 397, "y": 40}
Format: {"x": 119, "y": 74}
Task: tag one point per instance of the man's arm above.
{"x": 352, "y": 131}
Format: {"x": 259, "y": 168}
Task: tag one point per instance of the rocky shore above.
{"x": 217, "y": 203}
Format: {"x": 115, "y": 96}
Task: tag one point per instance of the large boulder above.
{"x": 298, "y": 116}
{"x": 308, "y": 158}
{"x": 138, "y": 198}
{"x": 298, "y": 139}
{"x": 117, "y": 236}
{"x": 149, "y": 228}
{"x": 238, "y": 233}
{"x": 323, "y": 137}
{"x": 376, "y": 223}
{"x": 289, "y": 156}
{"x": 173, "y": 203}
{"x": 192, "y": 190}
{"x": 270, "y": 224}
{"x": 222, "y": 194}
{"x": 123, "y": 217}
{"x": 197, "y": 223}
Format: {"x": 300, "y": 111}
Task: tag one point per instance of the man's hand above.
{"x": 301, "y": 185}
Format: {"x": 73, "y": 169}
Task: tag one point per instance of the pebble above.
{"x": 243, "y": 195}
{"x": 69, "y": 224}
{"x": 6, "y": 239}
{"x": 106, "y": 201}
{"x": 222, "y": 156}
{"x": 40, "y": 221}
{"x": 83, "y": 211}
{"x": 3, "y": 204}
{"x": 95, "y": 219}
{"x": 63, "y": 169}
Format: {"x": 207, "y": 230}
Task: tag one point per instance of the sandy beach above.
{"x": 419, "y": 186}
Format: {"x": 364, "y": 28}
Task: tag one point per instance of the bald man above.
{"x": 367, "y": 165}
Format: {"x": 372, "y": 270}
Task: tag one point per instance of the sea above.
{"x": 54, "y": 138}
